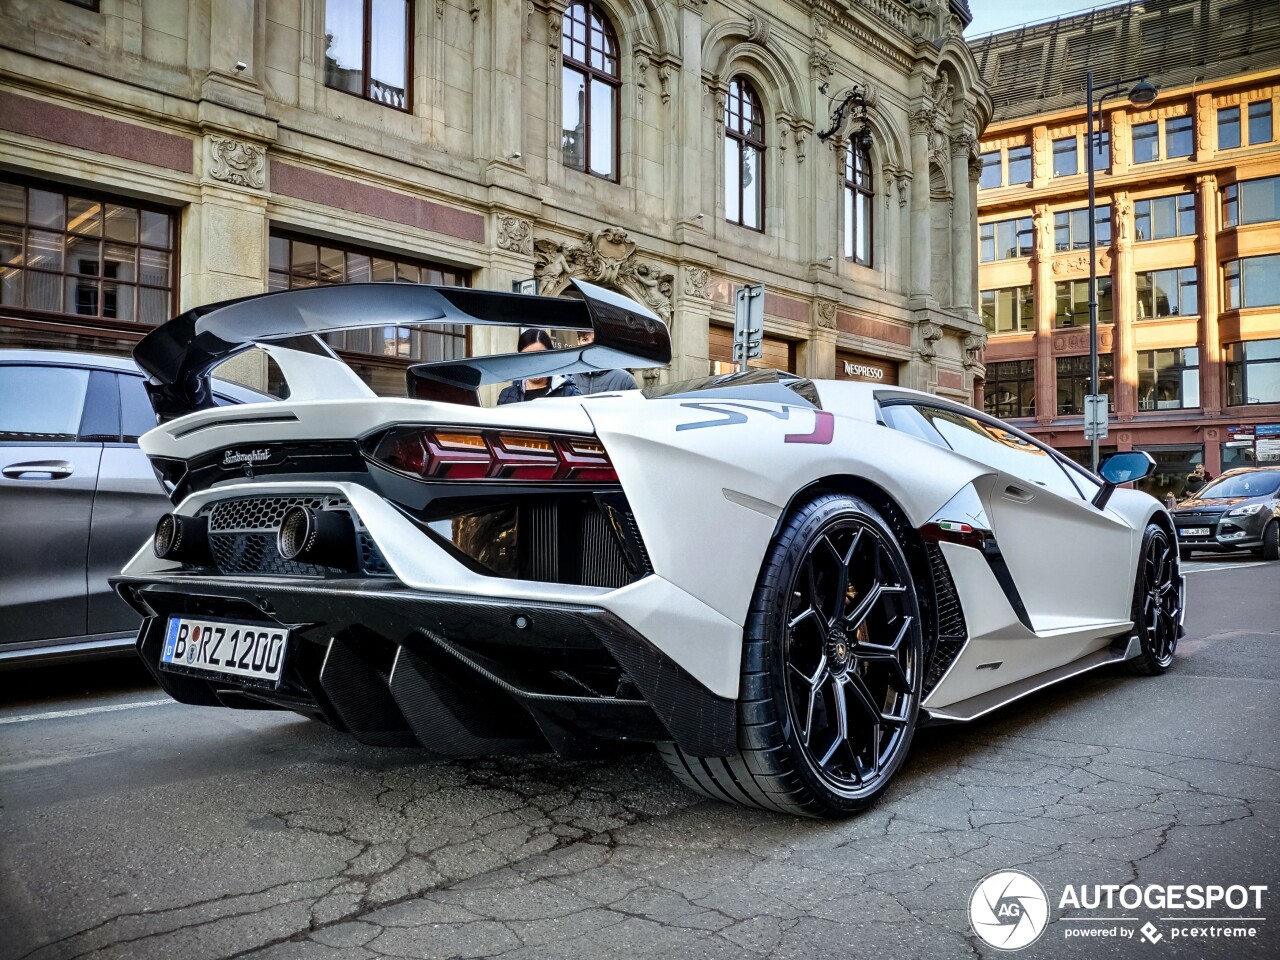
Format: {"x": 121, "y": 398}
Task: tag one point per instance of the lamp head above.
{"x": 1144, "y": 93}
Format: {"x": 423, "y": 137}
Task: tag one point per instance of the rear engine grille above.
{"x": 952, "y": 630}
{"x": 242, "y": 537}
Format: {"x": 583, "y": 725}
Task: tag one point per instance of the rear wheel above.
{"x": 1271, "y": 541}
{"x": 832, "y": 665}
{"x": 1157, "y": 603}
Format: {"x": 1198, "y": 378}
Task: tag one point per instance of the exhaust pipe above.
{"x": 183, "y": 539}
{"x": 326, "y": 538}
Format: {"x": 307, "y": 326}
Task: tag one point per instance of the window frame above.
{"x": 1079, "y": 306}
{"x": 1078, "y": 376}
{"x": 1074, "y": 141}
{"x": 1190, "y": 135}
{"x": 744, "y": 139}
{"x": 1225, "y": 122}
{"x": 568, "y": 63}
{"x": 1023, "y": 295}
{"x": 1078, "y": 216}
{"x": 1235, "y": 199}
{"x": 1237, "y": 371}
{"x": 1022, "y": 376}
{"x": 985, "y": 159}
{"x": 1270, "y": 117}
{"x": 1023, "y": 229}
{"x": 1237, "y": 270}
{"x": 1009, "y": 162}
{"x": 1183, "y": 277}
{"x": 1182, "y": 203}
{"x": 1155, "y": 138}
{"x": 856, "y": 190}
{"x": 1182, "y": 368}
{"x": 366, "y": 57}
{"x": 68, "y": 192}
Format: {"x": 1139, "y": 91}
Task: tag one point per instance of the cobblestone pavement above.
{"x": 155, "y": 830}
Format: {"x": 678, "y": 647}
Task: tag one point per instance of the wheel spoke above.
{"x": 858, "y": 687}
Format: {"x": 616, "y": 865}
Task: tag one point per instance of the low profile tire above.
{"x": 1271, "y": 541}
{"x": 832, "y": 666}
{"x": 1157, "y": 603}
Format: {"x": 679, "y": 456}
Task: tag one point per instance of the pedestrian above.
{"x": 1197, "y": 478}
{"x": 1170, "y": 501}
{"x": 534, "y": 340}
{"x": 601, "y": 381}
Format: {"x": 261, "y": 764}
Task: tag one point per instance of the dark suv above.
{"x": 1238, "y": 511}
{"x": 78, "y": 498}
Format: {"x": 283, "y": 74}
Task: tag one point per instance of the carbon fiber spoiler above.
{"x": 178, "y": 355}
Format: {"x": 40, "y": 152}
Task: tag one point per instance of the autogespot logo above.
{"x": 1009, "y": 910}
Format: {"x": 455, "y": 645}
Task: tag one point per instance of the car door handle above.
{"x": 1015, "y": 492}
{"x": 38, "y": 470}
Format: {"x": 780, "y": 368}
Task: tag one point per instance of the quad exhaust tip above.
{"x": 182, "y": 539}
{"x": 326, "y": 538}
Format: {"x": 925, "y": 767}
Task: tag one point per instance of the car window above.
{"x": 41, "y": 404}
{"x": 907, "y": 419}
{"x": 136, "y": 415}
{"x": 1000, "y": 448}
{"x": 1261, "y": 484}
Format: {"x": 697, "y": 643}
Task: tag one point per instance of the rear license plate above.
{"x": 1194, "y": 532}
{"x": 248, "y": 651}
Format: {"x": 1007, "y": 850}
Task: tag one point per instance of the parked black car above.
{"x": 77, "y": 500}
{"x": 1238, "y": 511}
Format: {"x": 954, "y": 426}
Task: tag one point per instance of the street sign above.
{"x": 748, "y": 324}
{"x": 1095, "y": 416}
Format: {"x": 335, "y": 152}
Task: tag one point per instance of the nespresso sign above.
{"x": 852, "y": 366}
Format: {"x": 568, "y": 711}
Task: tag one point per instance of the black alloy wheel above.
{"x": 833, "y": 662}
{"x": 1157, "y": 602}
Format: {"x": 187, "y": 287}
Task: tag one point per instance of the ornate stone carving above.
{"x": 1204, "y": 118}
{"x": 826, "y": 315}
{"x": 642, "y": 75}
{"x": 440, "y": 10}
{"x": 1124, "y": 220}
{"x": 930, "y": 334}
{"x": 963, "y": 146}
{"x": 973, "y": 346}
{"x": 696, "y": 283}
{"x": 607, "y": 257}
{"x": 664, "y": 82}
{"x": 819, "y": 27}
{"x": 237, "y": 162}
{"x": 529, "y": 11}
{"x": 473, "y": 8}
{"x": 555, "y": 29}
{"x": 757, "y": 29}
{"x": 798, "y": 136}
{"x": 943, "y": 94}
{"x": 515, "y": 234}
{"x": 820, "y": 63}
{"x": 922, "y": 121}
{"x": 901, "y": 180}
{"x": 1063, "y": 265}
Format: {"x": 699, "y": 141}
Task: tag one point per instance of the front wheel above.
{"x": 1271, "y": 541}
{"x": 832, "y": 666}
{"x": 1157, "y": 603}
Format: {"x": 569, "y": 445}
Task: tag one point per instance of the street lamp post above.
{"x": 1141, "y": 94}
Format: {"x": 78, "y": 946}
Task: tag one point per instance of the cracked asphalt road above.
{"x": 157, "y": 830}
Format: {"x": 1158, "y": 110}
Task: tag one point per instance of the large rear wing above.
{"x": 178, "y": 355}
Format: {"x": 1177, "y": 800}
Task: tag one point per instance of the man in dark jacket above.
{"x": 601, "y": 381}
{"x": 533, "y": 340}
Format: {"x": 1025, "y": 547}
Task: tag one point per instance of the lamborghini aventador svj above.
{"x": 773, "y": 579}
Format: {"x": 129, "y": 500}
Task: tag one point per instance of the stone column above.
{"x": 1124, "y": 303}
{"x": 1045, "y": 306}
{"x": 921, "y": 258}
{"x": 1211, "y": 385}
{"x": 817, "y": 358}
{"x": 507, "y": 78}
{"x": 962, "y": 225}
{"x": 235, "y": 36}
{"x": 691, "y": 315}
{"x": 689, "y": 103}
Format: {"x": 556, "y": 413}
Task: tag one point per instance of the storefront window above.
{"x": 1168, "y": 379}
{"x": 1073, "y": 383}
{"x": 1173, "y": 466}
{"x": 1010, "y": 389}
{"x": 1253, "y": 372}
{"x": 85, "y": 255}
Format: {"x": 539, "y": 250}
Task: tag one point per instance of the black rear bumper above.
{"x": 457, "y": 675}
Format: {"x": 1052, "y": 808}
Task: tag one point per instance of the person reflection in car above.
{"x": 532, "y": 340}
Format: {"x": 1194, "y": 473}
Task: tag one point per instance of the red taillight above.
{"x": 451, "y": 454}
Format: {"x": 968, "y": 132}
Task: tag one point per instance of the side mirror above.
{"x": 1118, "y": 468}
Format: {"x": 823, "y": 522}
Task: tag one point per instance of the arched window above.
{"x": 589, "y": 91}
{"x": 743, "y": 156}
{"x": 857, "y": 203}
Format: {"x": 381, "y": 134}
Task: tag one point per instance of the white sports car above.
{"x": 773, "y": 579}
